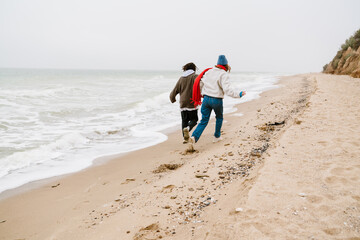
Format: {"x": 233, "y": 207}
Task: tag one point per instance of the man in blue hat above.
{"x": 213, "y": 85}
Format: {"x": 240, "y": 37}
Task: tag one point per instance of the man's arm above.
{"x": 175, "y": 92}
{"x": 228, "y": 88}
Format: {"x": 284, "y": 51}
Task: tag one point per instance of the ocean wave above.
{"x": 43, "y": 153}
{"x": 34, "y": 93}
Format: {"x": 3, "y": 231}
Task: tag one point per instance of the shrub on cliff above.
{"x": 353, "y": 42}
{"x": 356, "y": 42}
{"x": 347, "y": 59}
{"x": 325, "y": 67}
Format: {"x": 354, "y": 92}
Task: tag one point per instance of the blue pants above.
{"x": 209, "y": 104}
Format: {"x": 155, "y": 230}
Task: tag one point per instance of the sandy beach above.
{"x": 289, "y": 168}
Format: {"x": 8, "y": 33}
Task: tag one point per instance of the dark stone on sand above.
{"x": 54, "y": 186}
{"x": 201, "y": 175}
{"x": 276, "y": 123}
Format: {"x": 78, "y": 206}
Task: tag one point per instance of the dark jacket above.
{"x": 184, "y": 86}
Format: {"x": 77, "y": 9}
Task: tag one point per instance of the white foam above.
{"x": 43, "y": 153}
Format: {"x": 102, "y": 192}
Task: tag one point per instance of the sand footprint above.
{"x": 338, "y": 171}
{"x": 334, "y": 180}
{"x": 328, "y": 210}
{"x": 152, "y": 231}
{"x": 332, "y": 231}
{"x": 314, "y": 199}
{"x": 323, "y": 143}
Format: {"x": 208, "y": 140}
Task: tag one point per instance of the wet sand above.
{"x": 288, "y": 169}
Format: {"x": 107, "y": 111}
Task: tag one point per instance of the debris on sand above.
{"x": 298, "y": 122}
{"x": 239, "y": 210}
{"x": 153, "y": 226}
{"x": 166, "y": 167}
{"x": 201, "y": 175}
{"x": 152, "y": 231}
{"x": 302, "y": 195}
{"x": 276, "y": 123}
{"x": 56, "y": 185}
{"x": 128, "y": 180}
{"x": 168, "y": 189}
{"x": 268, "y": 127}
{"x": 257, "y": 152}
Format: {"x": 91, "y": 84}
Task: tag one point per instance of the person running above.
{"x": 212, "y": 83}
{"x": 184, "y": 87}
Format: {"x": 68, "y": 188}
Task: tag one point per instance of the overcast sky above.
{"x": 255, "y": 35}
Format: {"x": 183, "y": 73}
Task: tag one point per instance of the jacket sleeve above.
{"x": 227, "y": 87}
{"x": 201, "y": 85}
{"x": 175, "y": 92}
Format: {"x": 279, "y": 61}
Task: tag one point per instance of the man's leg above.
{"x": 185, "y": 115}
{"x": 184, "y": 121}
{"x": 205, "y": 116}
{"x": 193, "y": 119}
{"x": 218, "y": 109}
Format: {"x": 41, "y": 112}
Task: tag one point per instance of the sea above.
{"x": 54, "y": 122}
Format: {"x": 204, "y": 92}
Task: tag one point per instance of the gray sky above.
{"x": 255, "y": 35}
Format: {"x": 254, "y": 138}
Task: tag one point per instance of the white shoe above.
{"x": 215, "y": 140}
{"x": 191, "y": 144}
{"x": 186, "y": 134}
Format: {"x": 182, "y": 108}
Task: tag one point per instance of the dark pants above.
{"x": 189, "y": 119}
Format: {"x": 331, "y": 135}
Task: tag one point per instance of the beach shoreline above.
{"x": 106, "y": 158}
{"x": 68, "y": 138}
{"x": 222, "y": 191}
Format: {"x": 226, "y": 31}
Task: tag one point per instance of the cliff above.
{"x": 347, "y": 59}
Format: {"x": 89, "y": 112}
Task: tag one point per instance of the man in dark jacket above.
{"x": 184, "y": 87}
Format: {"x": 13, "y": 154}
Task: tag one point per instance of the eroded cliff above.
{"x": 347, "y": 59}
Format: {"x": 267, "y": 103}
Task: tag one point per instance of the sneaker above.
{"x": 191, "y": 144}
{"x": 186, "y": 134}
{"x": 215, "y": 140}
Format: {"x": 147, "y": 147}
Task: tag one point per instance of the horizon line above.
{"x": 118, "y": 69}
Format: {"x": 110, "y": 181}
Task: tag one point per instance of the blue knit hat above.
{"x": 222, "y": 60}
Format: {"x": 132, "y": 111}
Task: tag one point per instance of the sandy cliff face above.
{"x": 345, "y": 63}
